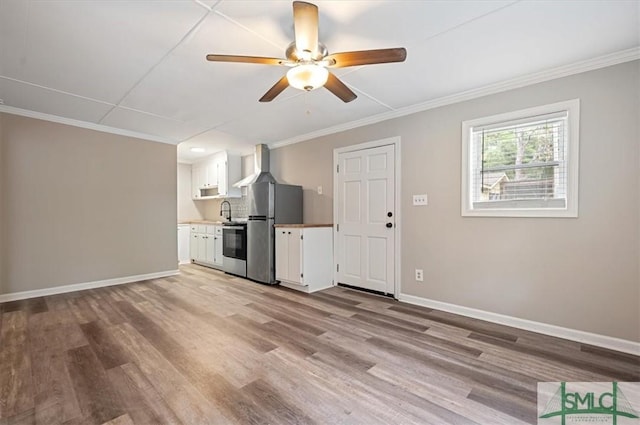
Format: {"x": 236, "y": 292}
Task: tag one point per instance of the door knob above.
{"x": 389, "y": 225}
{"x": 389, "y": 214}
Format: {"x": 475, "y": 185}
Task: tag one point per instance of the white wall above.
{"x": 578, "y": 273}
{"x": 188, "y": 209}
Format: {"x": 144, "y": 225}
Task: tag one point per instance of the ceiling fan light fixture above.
{"x": 307, "y": 77}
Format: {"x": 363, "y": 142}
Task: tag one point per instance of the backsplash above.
{"x": 239, "y": 207}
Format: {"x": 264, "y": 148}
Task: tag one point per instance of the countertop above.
{"x": 302, "y": 225}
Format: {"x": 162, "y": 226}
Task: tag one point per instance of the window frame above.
{"x": 570, "y": 210}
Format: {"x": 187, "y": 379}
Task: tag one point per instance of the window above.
{"x": 523, "y": 163}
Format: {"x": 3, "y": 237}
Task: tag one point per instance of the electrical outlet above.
{"x": 319, "y": 190}
{"x": 420, "y": 199}
{"x": 419, "y": 275}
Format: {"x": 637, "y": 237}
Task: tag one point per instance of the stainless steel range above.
{"x": 234, "y": 248}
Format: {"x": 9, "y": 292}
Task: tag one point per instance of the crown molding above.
{"x": 514, "y": 83}
{"x": 84, "y": 124}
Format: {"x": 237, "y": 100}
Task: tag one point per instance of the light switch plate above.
{"x": 420, "y": 199}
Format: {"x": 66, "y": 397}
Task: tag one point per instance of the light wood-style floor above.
{"x": 206, "y": 348}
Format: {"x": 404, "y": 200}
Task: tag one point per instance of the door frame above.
{"x": 395, "y": 142}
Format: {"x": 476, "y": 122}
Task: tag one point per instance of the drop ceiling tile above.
{"x": 518, "y": 40}
{"x": 97, "y": 49}
{"x": 38, "y": 99}
{"x": 358, "y": 25}
{"x": 141, "y": 122}
{"x": 298, "y": 115}
{"x": 273, "y": 21}
{"x": 189, "y": 88}
{"x": 214, "y": 141}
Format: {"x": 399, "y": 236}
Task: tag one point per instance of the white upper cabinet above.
{"x": 210, "y": 178}
{"x": 212, "y": 167}
{"x": 198, "y": 178}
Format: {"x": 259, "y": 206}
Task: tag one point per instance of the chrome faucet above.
{"x": 228, "y": 211}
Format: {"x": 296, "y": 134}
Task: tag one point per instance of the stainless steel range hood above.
{"x": 262, "y": 173}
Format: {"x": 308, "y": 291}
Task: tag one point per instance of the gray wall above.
{"x": 578, "y": 273}
{"x": 82, "y": 205}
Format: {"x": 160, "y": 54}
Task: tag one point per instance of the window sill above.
{"x": 523, "y": 212}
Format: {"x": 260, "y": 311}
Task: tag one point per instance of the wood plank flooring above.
{"x": 207, "y": 348}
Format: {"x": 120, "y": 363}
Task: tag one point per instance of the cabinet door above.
{"x": 198, "y": 179}
{"x": 210, "y": 244}
{"x": 295, "y": 250}
{"x": 193, "y": 246}
{"x": 184, "y": 240}
{"x": 202, "y": 247}
{"x": 217, "y": 260}
{"x": 195, "y": 184}
{"x": 282, "y": 253}
{"x": 212, "y": 173}
{"x": 222, "y": 177}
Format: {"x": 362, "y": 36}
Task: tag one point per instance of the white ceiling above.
{"x": 140, "y": 65}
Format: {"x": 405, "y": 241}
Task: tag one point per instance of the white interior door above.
{"x": 366, "y": 218}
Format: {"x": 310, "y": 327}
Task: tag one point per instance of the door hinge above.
{"x": 338, "y": 168}
{"x": 337, "y": 267}
{"x": 301, "y": 275}
{"x": 301, "y": 237}
{"x": 338, "y": 227}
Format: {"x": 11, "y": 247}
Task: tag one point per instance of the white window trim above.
{"x": 573, "y": 125}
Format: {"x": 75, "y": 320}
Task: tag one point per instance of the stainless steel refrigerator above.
{"x": 269, "y": 203}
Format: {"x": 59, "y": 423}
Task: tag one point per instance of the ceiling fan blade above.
{"x": 337, "y": 87}
{"x": 305, "y": 26}
{"x": 366, "y": 57}
{"x": 246, "y": 59}
{"x": 277, "y": 88}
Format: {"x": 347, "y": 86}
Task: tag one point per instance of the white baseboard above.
{"x": 604, "y": 341}
{"x": 14, "y": 296}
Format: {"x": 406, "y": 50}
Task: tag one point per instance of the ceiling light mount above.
{"x": 294, "y": 54}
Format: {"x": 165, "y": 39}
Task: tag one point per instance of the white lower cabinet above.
{"x": 217, "y": 246}
{"x": 304, "y": 257}
{"x": 184, "y": 244}
{"x": 206, "y": 245}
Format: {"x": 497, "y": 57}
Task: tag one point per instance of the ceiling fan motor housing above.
{"x": 293, "y": 54}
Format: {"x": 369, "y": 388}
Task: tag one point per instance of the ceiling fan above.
{"x": 309, "y": 59}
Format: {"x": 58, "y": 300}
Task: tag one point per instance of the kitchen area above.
{"x": 235, "y": 217}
